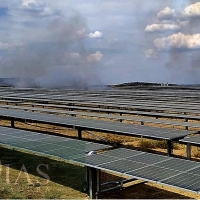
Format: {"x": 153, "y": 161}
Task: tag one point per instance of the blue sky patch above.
{"x": 3, "y": 11}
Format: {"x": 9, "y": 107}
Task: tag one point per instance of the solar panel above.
{"x": 122, "y": 152}
{"x": 178, "y": 164}
{"x": 192, "y": 140}
{"x": 66, "y": 153}
{"x": 194, "y": 171}
{"x": 93, "y": 147}
{"x": 149, "y": 158}
{"x": 152, "y": 173}
{"x": 55, "y": 139}
{"x": 184, "y": 180}
{"x": 122, "y": 165}
{"x": 26, "y": 143}
{"x": 95, "y": 160}
{"x": 42, "y": 143}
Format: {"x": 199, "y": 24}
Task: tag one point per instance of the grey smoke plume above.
{"x": 60, "y": 60}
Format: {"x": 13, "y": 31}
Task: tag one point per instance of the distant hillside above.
{"x": 142, "y": 84}
{"x": 155, "y": 86}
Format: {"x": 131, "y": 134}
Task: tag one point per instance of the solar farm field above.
{"x": 50, "y": 136}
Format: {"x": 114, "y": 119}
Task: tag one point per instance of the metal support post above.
{"x": 94, "y": 182}
{"x": 121, "y": 119}
{"x": 98, "y": 181}
{"x": 79, "y": 134}
{"x": 188, "y": 151}
{"x": 12, "y": 122}
{"x": 87, "y": 177}
{"x": 169, "y": 148}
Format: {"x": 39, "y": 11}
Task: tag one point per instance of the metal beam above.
{"x": 169, "y": 147}
{"x": 188, "y": 151}
{"x": 12, "y": 122}
{"x": 94, "y": 182}
{"x": 79, "y": 133}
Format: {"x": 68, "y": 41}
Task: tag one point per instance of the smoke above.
{"x": 56, "y": 59}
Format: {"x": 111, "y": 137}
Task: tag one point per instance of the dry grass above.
{"x": 21, "y": 186}
{"x": 195, "y": 152}
{"x": 154, "y": 144}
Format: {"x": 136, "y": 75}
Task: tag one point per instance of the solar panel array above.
{"x": 98, "y": 125}
{"x": 192, "y": 140}
{"x": 156, "y": 168}
{"x": 147, "y": 166}
{"x": 61, "y": 147}
{"x": 120, "y": 118}
{"x": 141, "y": 165}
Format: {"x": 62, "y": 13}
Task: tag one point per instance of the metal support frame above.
{"x": 121, "y": 119}
{"x": 188, "y": 151}
{"x": 169, "y": 147}
{"x": 12, "y": 122}
{"x": 79, "y": 133}
{"x": 94, "y": 182}
{"x": 87, "y": 177}
{"x": 32, "y": 107}
{"x": 119, "y": 184}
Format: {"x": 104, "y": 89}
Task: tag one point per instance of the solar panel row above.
{"x": 120, "y": 118}
{"x": 146, "y": 166}
{"x": 64, "y": 148}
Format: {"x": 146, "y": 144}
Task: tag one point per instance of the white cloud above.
{"x": 166, "y": 13}
{"x": 94, "y": 57}
{"x": 37, "y": 8}
{"x": 192, "y": 11}
{"x": 178, "y": 41}
{"x": 151, "y": 53}
{"x": 161, "y": 27}
{"x": 96, "y": 34}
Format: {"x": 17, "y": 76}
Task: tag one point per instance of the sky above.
{"x": 78, "y": 43}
